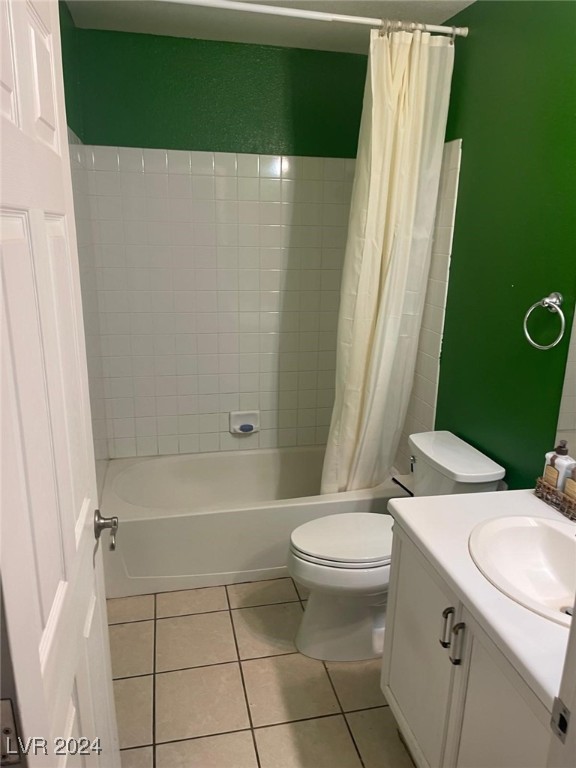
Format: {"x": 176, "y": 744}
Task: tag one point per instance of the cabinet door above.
{"x": 417, "y": 673}
{"x": 503, "y": 723}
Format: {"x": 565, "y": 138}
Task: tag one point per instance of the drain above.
{"x": 568, "y": 610}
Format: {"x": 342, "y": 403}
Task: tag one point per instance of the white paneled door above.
{"x": 51, "y": 576}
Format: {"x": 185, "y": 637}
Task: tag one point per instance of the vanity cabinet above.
{"x": 456, "y": 698}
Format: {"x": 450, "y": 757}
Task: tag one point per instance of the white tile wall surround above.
{"x": 211, "y": 283}
{"x": 84, "y": 209}
{"x": 421, "y": 413}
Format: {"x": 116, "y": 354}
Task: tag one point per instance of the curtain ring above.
{"x": 453, "y": 36}
{"x": 385, "y": 28}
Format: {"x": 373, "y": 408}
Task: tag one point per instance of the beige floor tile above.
{"x": 132, "y": 648}
{"x": 287, "y": 688}
{"x": 267, "y": 630}
{"x": 357, "y": 683}
{"x": 231, "y": 750}
{"x": 194, "y": 641}
{"x": 191, "y": 601}
{"x": 261, "y": 593}
{"x": 200, "y": 702}
{"x": 375, "y": 733}
{"x": 133, "y": 698}
{"x": 323, "y": 743}
{"x": 121, "y": 609}
{"x": 137, "y": 758}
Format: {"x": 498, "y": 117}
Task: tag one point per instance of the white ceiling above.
{"x": 178, "y": 20}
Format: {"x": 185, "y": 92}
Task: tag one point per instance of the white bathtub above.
{"x": 216, "y": 518}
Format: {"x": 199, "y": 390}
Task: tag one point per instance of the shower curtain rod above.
{"x": 296, "y": 13}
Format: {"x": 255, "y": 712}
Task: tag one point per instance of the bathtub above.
{"x": 201, "y": 520}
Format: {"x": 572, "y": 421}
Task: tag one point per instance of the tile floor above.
{"x": 210, "y": 678}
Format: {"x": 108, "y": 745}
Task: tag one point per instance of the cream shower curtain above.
{"x": 387, "y": 253}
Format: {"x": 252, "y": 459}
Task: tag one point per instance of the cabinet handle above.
{"x": 446, "y": 630}
{"x": 458, "y": 632}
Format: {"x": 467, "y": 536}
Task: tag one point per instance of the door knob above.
{"x": 103, "y": 523}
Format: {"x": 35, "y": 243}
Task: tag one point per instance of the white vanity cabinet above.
{"x": 457, "y": 700}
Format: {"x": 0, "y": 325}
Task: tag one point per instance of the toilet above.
{"x": 344, "y": 559}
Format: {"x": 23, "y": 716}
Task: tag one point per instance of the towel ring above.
{"x": 552, "y": 303}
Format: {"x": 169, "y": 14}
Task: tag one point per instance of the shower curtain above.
{"x": 387, "y": 253}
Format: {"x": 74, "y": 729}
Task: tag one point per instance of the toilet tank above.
{"x": 443, "y": 464}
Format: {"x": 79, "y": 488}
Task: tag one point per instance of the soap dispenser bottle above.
{"x": 558, "y": 466}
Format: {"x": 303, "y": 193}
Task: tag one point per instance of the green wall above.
{"x": 514, "y": 105}
{"x": 71, "y": 70}
{"x": 176, "y": 93}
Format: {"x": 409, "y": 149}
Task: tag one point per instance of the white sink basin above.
{"x": 531, "y": 560}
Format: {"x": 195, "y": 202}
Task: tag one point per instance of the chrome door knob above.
{"x": 103, "y": 523}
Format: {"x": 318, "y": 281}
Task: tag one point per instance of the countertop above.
{"x": 440, "y": 527}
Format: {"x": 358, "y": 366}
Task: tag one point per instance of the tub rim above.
{"x": 386, "y": 490}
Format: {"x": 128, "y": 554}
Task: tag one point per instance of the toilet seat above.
{"x": 352, "y": 540}
{"x": 339, "y": 563}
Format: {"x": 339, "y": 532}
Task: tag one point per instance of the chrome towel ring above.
{"x": 552, "y": 303}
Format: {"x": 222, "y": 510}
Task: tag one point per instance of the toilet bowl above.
{"x": 344, "y": 560}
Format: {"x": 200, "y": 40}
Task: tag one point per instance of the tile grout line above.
{"x": 214, "y": 664}
{"x": 300, "y": 598}
{"x": 186, "y": 615}
{"x": 219, "y": 610}
{"x": 365, "y": 709}
{"x": 132, "y": 621}
{"x": 255, "y": 728}
{"x": 195, "y": 589}
{"x": 203, "y": 736}
{"x": 140, "y": 746}
{"x": 257, "y": 658}
{"x": 204, "y": 613}
{"x": 264, "y": 605}
{"x": 308, "y": 719}
{"x": 133, "y": 677}
{"x": 244, "y": 684}
{"x": 343, "y": 714}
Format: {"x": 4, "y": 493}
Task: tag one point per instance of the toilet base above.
{"x": 342, "y": 628}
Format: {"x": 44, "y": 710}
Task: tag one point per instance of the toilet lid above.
{"x": 355, "y": 539}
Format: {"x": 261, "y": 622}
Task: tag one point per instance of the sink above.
{"x": 532, "y": 560}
